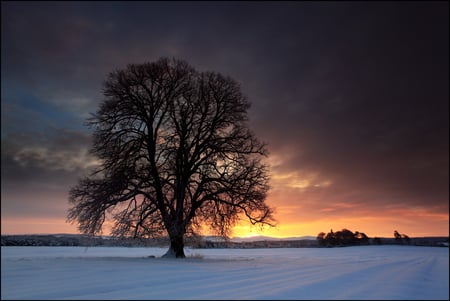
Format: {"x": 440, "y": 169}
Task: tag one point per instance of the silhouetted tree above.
{"x": 321, "y": 238}
{"x": 176, "y": 153}
{"x": 345, "y": 237}
{"x": 330, "y": 238}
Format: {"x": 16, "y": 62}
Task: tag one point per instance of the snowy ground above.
{"x": 366, "y": 272}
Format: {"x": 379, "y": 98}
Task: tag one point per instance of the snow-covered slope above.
{"x": 365, "y": 272}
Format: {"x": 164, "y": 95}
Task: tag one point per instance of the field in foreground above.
{"x": 365, "y": 272}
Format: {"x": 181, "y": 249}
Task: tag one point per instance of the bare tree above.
{"x": 176, "y": 154}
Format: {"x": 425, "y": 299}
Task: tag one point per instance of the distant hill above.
{"x": 270, "y": 238}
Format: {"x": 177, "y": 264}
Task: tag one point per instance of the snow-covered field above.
{"x": 365, "y": 272}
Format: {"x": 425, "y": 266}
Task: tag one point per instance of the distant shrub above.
{"x": 401, "y": 238}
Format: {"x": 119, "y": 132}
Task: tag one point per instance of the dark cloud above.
{"x": 352, "y": 98}
{"x": 50, "y": 155}
{"x": 376, "y": 118}
{"x": 38, "y": 170}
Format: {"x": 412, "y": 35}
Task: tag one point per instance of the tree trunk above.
{"x": 176, "y": 249}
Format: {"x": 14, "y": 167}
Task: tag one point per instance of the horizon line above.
{"x": 233, "y": 237}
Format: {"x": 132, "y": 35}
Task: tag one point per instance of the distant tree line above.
{"x": 202, "y": 242}
{"x": 344, "y": 237}
{"x": 78, "y": 241}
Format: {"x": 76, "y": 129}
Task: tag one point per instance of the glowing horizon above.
{"x": 368, "y": 225}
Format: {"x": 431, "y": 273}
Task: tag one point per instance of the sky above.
{"x": 352, "y": 99}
